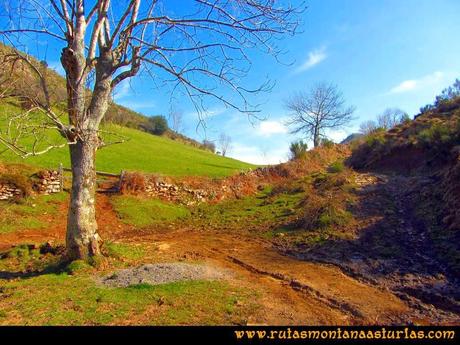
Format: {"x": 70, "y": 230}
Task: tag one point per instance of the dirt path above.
{"x": 108, "y": 222}
{"x": 292, "y": 291}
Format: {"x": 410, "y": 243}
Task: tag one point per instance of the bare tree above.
{"x": 201, "y": 51}
{"x": 313, "y": 112}
{"x": 225, "y": 142}
{"x": 391, "y": 117}
{"x": 176, "y": 117}
{"x": 368, "y": 127}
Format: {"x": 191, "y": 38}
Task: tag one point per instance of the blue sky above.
{"x": 381, "y": 54}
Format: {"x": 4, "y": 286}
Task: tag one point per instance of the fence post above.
{"x": 122, "y": 175}
{"x": 61, "y": 177}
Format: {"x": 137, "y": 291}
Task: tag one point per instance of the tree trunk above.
{"x": 82, "y": 239}
{"x": 316, "y": 140}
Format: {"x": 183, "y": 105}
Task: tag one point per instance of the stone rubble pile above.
{"x": 50, "y": 182}
{"x": 9, "y": 191}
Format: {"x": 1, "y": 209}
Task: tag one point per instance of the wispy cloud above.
{"x": 415, "y": 84}
{"x": 122, "y": 90}
{"x": 314, "y": 57}
{"x": 207, "y": 114}
{"x": 268, "y": 128}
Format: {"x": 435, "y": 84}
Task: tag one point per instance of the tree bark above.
{"x": 316, "y": 140}
{"x": 82, "y": 239}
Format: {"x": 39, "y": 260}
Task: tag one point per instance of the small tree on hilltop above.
{"x": 157, "y": 125}
{"x": 368, "y": 127}
{"x": 391, "y": 117}
{"x": 209, "y": 145}
{"x": 176, "y": 117}
{"x": 225, "y": 142}
{"x": 313, "y": 112}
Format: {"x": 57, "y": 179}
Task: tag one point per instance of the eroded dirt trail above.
{"x": 292, "y": 291}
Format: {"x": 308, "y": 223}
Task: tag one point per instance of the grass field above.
{"x": 141, "y": 152}
{"x": 74, "y": 297}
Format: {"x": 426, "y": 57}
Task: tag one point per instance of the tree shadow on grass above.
{"x": 55, "y": 262}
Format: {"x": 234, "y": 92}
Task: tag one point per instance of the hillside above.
{"x": 143, "y": 152}
{"x": 170, "y": 154}
{"x": 425, "y": 152}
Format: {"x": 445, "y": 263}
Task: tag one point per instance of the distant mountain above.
{"x": 351, "y": 137}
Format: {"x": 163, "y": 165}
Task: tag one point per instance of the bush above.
{"x": 209, "y": 145}
{"x": 438, "y": 134}
{"x": 157, "y": 125}
{"x": 132, "y": 183}
{"x": 298, "y": 149}
{"x": 336, "y": 167}
{"x": 327, "y": 143}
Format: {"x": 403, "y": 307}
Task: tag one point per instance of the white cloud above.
{"x": 416, "y": 84}
{"x": 213, "y": 112}
{"x": 314, "y": 58}
{"x": 267, "y": 128}
{"x": 337, "y": 135}
{"x": 254, "y": 155}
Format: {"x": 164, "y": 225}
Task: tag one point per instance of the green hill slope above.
{"x": 144, "y": 152}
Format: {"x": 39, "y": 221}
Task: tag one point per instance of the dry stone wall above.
{"x": 50, "y": 182}
{"x": 9, "y": 191}
{"x": 45, "y": 182}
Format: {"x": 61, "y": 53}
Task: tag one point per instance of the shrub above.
{"x": 298, "y": 149}
{"x": 157, "y": 125}
{"x": 322, "y": 213}
{"x": 328, "y": 143}
{"x": 437, "y": 134}
{"x": 209, "y": 145}
{"x": 336, "y": 167}
{"x": 133, "y": 183}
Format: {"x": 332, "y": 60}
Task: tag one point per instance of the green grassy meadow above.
{"x": 140, "y": 152}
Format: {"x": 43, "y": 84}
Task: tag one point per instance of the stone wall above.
{"x": 49, "y": 182}
{"x": 45, "y": 182}
{"x": 9, "y": 191}
{"x": 177, "y": 193}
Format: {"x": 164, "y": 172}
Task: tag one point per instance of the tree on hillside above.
{"x": 200, "y": 48}
{"x": 448, "y": 93}
{"x": 157, "y": 125}
{"x": 225, "y": 142}
{"x": 313, "y": 112}
{"x": 368, "y": 127}
{"x": 209, "y": 145}
{"x": 176, "y": 117}
{"x": 391, "y": 117}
